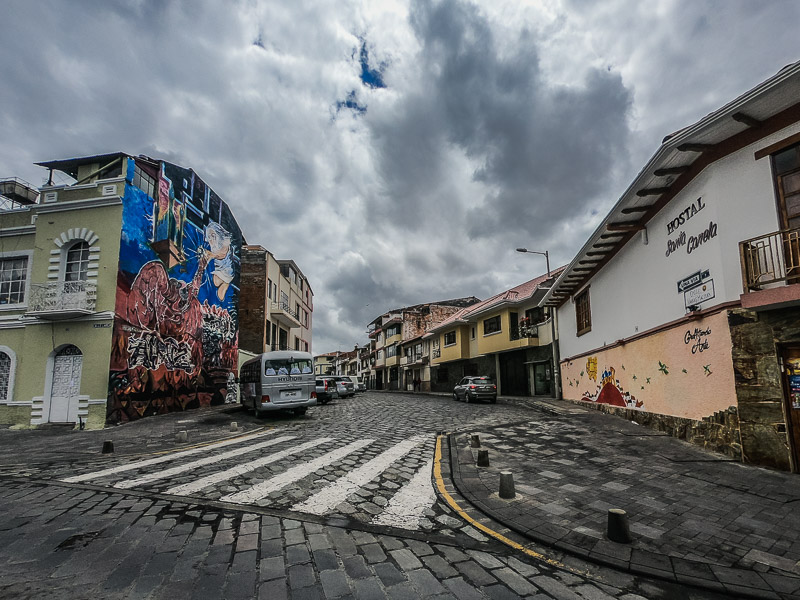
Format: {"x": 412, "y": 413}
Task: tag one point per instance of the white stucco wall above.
{"x": 637, "y": 290}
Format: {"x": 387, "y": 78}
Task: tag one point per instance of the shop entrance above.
{"x": 791, "y": 386}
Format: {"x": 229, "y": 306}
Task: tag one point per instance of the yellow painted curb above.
{"x": 437, "y": 474}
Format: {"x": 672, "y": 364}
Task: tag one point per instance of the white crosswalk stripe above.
{"x": 294, "y": 474}
{"x": 336, "y": 492}
{"x": 407, "y": 506}
{"x": 209, "y": 460}
{"x": 162, "y": 459}
{"x": 199, "y": 484}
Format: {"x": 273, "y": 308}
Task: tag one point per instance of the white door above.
{"x": 66, "y": 385}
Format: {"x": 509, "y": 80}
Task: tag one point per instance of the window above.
{"x": 5, "y": 376}
{"x": 13, "y": 276}
{"x": 583, "y": 312}
{"x": 393, "y": 330}
{"x": 472, "y": 334}
{"x": 391, "y": 351}
{"x": 76, "y": 267}
{"x": 380, "y": 354}
{"x": 449, "y": 338}
{"x": 491, "y": 325}
{"x": 284, "y": 301}
{"x": 269, "y": 289}
{"x": 144, "y": 182}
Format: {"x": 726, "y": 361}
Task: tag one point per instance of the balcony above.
{"x": 770, "y": 265}
{"x": 284, "y": 314}
{"x": 437, "y": 353}
{"x": 62, "y": 299}
{"x": 524, "y": 331}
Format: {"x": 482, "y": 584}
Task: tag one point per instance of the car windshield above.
{"x": 287, "y": 366}
{"x": 482, "y": 381}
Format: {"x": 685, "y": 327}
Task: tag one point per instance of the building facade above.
{"x": 508, "y": 337}
{"x": 682, "y": 310}
{"x": 389, "y": 338}
{"x": 118, "y": 294}
{"x": 277, "y": 303}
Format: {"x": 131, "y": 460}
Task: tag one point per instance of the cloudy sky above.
{"x": 397, "y": 150}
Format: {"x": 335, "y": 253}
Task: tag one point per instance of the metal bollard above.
{"x": 108, "y": 447}
{"x": 483, "y": 458}
{"x": 182, "y": 436}
{"x": 234, "y": 426}
{"x": 475, "y": 441}
{"x": 618, "y": 529}
{"x": 507, "y": 485}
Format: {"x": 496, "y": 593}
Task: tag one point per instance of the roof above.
{"x": 70, "y": 165}
{"x": 769, "y": 107}
{"x": 515, "y": 295}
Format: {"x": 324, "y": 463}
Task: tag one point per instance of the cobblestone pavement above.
{"x": 694, "y": 515}
{"x": 337, "y": 504}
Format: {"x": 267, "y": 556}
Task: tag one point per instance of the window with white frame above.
{"x": 76, "y": 265}
{"x": 449, "y": 338}
{"x": 13, "y": 279}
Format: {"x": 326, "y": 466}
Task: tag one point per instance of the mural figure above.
{"x": 609, "y": 391}
{"x": 591, "y": 367}
{"x": 175, "y": 341}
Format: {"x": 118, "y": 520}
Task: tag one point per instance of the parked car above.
{"x": 326, "y": 389}
{"x": 471, "y": 389}
{"x": 357, "y": 382}
{"x": 345, "y": 386}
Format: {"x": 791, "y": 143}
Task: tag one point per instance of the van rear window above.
{"x": 287, "y": 366}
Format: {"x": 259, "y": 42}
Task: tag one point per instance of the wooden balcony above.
{"x": 770, "y": 259}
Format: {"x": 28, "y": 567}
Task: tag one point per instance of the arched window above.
{"x": 76, "y": 267}
{"x": 5, "y": 376}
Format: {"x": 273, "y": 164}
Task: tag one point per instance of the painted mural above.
{"x": 176, "y": 330}
{"x": 685, "y": 371}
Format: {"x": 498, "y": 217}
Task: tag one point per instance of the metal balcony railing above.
{"x": 63, "y": 297}
{"x": 522, "y": 331}
{"x": 437, "y": 353}
{"x": 770, "y": 258}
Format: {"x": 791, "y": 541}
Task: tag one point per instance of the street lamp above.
{"x": 545, "y": 254}
{"x": 554, "y": 344}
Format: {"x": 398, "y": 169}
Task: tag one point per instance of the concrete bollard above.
{"x": 483, "y": 458}
{"x": 618, "y": 529}
{"x": 475, "y": 441}
{"x": 108, "y": 447}
{"x": 182, "y": 437}
{"x": 234, "y": 426}
{"x": 507, "y": 485}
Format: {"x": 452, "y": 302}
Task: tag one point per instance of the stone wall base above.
{"x": 717, "y": 433}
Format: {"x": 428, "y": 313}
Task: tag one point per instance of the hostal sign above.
{"x": 694, "y": 241}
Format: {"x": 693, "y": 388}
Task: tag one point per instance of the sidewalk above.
{"x": 696, "y": 517}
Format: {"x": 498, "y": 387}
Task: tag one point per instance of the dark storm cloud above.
{"x": 542, "y": 152}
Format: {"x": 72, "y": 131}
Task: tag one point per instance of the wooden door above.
{"x": 67, "y": 367}
{"x": 787, "y": 171}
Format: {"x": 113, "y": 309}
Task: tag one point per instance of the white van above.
{"x": 282, "y": 380}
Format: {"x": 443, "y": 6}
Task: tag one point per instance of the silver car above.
{"x": 345, "y": 386}
{"x": 471, "y": 389}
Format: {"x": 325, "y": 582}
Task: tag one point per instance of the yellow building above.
{"x": 507, "y": 337}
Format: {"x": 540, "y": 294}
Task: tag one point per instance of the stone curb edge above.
{"x": 670, "y": 576}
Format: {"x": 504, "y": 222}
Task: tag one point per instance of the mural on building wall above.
{"x": 685, "y": 371}
{"x": 176, "y": 326}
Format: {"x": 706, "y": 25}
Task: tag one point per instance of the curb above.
{"x": 659, "y": 566}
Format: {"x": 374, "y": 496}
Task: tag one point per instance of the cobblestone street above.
{"x": 337, "y": 504}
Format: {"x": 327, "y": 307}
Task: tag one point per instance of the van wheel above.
{"x": 300, "y": 411}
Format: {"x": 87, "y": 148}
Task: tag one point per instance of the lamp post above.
{"x": 556, "y": 358}
{"x": 545, "y": 254}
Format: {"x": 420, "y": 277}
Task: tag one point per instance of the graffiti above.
{"x": 150, "y": 351}
{"x": 610, "y": 392}
{"x": 175, "y": 339}
{"x": 663, "y": 368}
{"x": 591, "y": 367}
{"x": 698, "y": 339}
